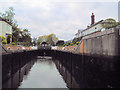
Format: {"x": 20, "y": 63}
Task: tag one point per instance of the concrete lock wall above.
{"x": 101, "y": 43}
{"x": 87, "y": 71}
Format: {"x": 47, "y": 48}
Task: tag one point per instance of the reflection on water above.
{"x": 40, "y": 72}
{"x": 43, "y": 75}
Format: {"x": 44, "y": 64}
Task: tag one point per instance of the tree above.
{"x": 53, "y": 36}
{"x": 26, "y": 37}
{"x": 77, "y": 43}
{"x": 74, "y": 40}
{"x": 4, "y": 42}
{"x": 8, "y": 38}
{"x": 71, "y": 44}
{"x": 109, "y": 23}
{"x": 13, "y": 43}
{"x": 17, "y": 35}
{"x": 50, "y": 39}
{"x": 66, "y": 44}
{"x": 34, "y": 42}
{"x": 2, "y": 38}
{"x": 8, "y": 15}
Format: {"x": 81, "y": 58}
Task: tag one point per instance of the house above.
{"x": 78, "y": 33}
{"x": 97, "y": 27}
{"x": 93, "y": 28}
{"x": 5, "y": 28}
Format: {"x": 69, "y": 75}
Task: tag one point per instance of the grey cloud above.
{"x": 61, "y": 18}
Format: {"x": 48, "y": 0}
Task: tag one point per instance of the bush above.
{"x": 25, "y": 44}
{"x": 4, "y": 42}
{"x": 71, "y": 44}
{"x": 8, "y": 38}
{"x": 61, "y": 45}
{"x": 109, "y": 23}
{"x": 2, "y": 38}
{"x": 13, "y": 43}
{"x": 66, "y": 44}
{"x": 77, "y": 43}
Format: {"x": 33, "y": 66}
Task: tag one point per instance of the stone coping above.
{"x": 107, "y": 31}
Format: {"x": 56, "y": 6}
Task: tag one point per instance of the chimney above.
{"x": 87, "y": 26}
{"x": 92, "y": 19}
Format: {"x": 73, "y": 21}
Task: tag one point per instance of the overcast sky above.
{"x": 61, "y": 17}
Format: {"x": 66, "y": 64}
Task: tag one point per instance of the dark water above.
{"x": 40, "y": 72}
{"x": 43, "y": 74}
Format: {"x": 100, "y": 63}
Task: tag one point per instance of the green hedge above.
{"x": 4, "y": 42}
{"x": 2, "y": 38}
{"x": 77, "y": 43}
{"x": 13, "y": 43}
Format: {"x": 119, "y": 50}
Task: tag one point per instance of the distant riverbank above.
{"x": 10, "y": 48}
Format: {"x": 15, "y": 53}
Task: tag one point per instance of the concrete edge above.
{"x": 107, "y": 31}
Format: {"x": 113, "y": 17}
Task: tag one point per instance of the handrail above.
{"x": 4, "y": 49}
{"x": 2, "y": 46}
